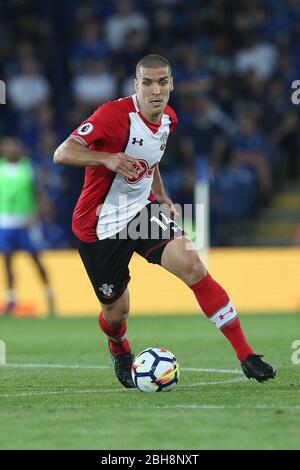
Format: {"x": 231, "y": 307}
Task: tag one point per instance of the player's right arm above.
{"x": 107, "y": 130}
{"x": 74, "y": 153}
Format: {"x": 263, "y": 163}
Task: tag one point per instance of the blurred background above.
{"x": 233, "y": 67}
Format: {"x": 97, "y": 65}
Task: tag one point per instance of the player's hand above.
{"x": 173, "y": 212}
{"x": 129, "y": 167}
{"x": 171, "y": 207}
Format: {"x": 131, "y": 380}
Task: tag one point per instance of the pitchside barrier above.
{"x": 257, "y": 280}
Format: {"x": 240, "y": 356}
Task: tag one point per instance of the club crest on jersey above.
{"x": 107, "y": 290}
{"x": 85, "y": 129}
{"x": 164, "y": 139}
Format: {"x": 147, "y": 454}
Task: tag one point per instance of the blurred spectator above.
{"x": 124, "y": 20}
{"x": 250, "y": 150}
{"x": 257, "y": 56}
{"x": 95, "y": 84}
{"x": 50, "y": 178}
{"x": 90, "y": 44}
{"x": 219, "y": 59}
{"x": 18, "y": 211}
{"x": 185, "y": 194}
{"x": 192, "y": 76}
{"x": 29, "y": 88}
{"x": 49, "y": 233}
{"x": 125, "y": 59}
{"x": 163, "y": 27}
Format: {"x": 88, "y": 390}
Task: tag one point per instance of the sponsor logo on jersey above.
{"x": 145, "y": 171}
{"x": 137, "y": 141}
{"x": 85, "y": 129}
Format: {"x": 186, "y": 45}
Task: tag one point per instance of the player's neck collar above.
{"x": 135, "y": 102}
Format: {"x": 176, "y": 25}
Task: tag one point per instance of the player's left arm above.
{"x": 160, "y": 195}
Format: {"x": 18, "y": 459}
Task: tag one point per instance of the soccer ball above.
{"x": 155, "y": 370}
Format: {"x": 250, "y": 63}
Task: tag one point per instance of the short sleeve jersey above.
{"x": 109, "y": 200}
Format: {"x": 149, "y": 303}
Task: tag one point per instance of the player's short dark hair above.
{"x": 153, "y": 61}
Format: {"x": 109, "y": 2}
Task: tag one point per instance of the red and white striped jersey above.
{"x": 108, "y": 200}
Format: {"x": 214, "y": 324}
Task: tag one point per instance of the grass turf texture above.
{"x": 86, "y": 408}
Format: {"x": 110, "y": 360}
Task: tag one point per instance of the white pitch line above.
{"x": 84, "y": 366}
{"x": 217, "y": 382}
{"x": 221, "y": 371}
{"x": 97, "y": 392}
{"x": 55, "y": 366}
{"x": 261, "y": 406}
{"x": 65, "y": 392}
{"x": 231, "y": 407}
{"x": 122, "y": 390}
{"x": 100, "y": 391}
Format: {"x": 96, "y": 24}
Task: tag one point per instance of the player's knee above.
{"x": 194, "y": 271}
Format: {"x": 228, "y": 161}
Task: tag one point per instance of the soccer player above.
{"x": 17, "y": 212}
{"x": 121, "y": 146}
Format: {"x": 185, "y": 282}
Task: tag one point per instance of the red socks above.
{"x": 235, "y": 335}
{"x": 216, "y": 305}
{"x": 118, "y": 344}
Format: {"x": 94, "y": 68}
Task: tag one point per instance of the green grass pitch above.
{"x": 48, "y": 404}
